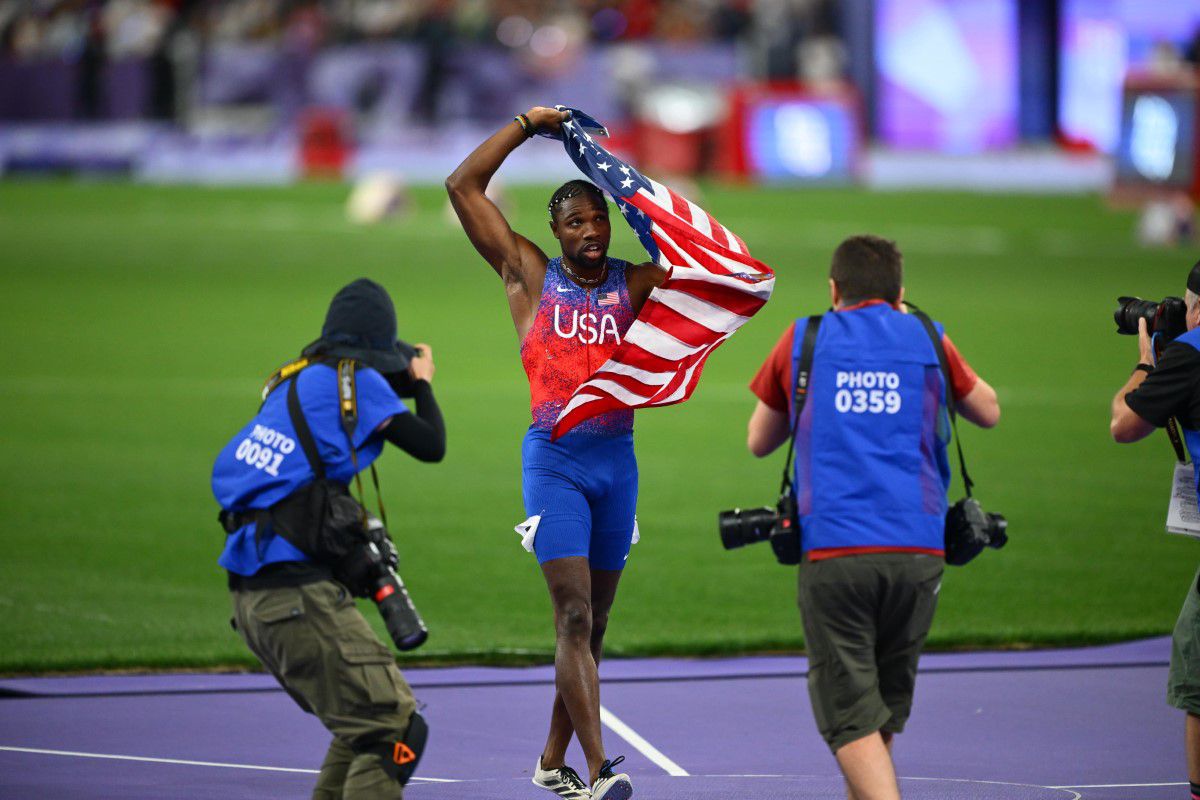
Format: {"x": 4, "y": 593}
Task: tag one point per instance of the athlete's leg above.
{"x": 570, "y": 583}
{"x": 604, "y": 590}
{"x": 611, "y": 491}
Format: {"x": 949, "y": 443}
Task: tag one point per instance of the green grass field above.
{"x": 139, "y": 322}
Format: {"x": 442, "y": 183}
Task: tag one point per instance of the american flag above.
{"x": 609, "y": 299}
{"x": 713, "y": 287}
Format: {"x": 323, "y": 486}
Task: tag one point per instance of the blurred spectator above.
{"x": 134, "y": 28}
{"x": 246, "y": 20}
{"x": 91, "y": 66}
{"x": 306, "y": 26}
{"x": 64, "y": 31}
{"x": 545, "y": 39}
{"x": 378, "y": 19}
{"x": 797, "y": 39}
{"x": 25, "y": 36}
{"x": 39, "y": 28}
{"x": 1192, "y": 52}
{"x": 435, "y": 33}
{"x": 1165, "y": 59}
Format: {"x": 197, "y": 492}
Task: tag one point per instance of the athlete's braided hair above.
{"x": 574, "y": 189}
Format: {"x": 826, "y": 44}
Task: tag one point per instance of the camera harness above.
{"x": 804, "y": 372}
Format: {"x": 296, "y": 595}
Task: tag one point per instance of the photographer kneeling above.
{"x": 861, "y": 393}
{"x": 300, "y": 548}
{"x": 1155, "y": 394}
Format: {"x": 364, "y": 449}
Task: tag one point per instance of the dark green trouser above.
{"x": 865, "y": 621}
{"x": 1183, "y": 679}
{"x": 315, "y": 642}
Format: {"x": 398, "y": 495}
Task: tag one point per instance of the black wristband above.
{"x": 1147, "y": 368}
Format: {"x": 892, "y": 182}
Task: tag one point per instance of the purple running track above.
{"x": 1089, "y": 723}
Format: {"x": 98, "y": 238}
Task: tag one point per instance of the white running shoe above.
{"x": 564, "y": 782}
{"x": 610, "y": 785}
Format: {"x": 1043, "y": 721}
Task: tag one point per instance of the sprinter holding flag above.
{"x": 598, "y": 338}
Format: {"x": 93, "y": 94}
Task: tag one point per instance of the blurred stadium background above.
{"x": 183, "y": 185}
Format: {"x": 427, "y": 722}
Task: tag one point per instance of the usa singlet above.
{"x": 580, "y": 492}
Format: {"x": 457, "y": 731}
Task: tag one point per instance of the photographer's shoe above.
{"x": 610, "y": 786}
{"x": 564, "y": 782}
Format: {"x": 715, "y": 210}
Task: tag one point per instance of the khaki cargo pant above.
{"x": 1183, "y": 679}
{"x": 865, "y": 621}
{"x": 315, "y": 642}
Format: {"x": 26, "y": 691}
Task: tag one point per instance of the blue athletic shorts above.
{"x": 584, "y": 487}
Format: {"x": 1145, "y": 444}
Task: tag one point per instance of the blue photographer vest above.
{"x": 265, "y": 462}
{"x": 871, "y": 467}
{"x": 1192, "y": 438}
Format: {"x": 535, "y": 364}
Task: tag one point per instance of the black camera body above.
{"x": 402, "y": 382}
{"x": 969, "y": 529}
{"x": 780, "y": 526}
{"x": 369, "y": 570}
{"x": 1167, "y": 318}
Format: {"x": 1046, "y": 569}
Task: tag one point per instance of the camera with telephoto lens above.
{"x": 369, "y": 570}
{"x": 779, "y": 526}
{"x": 969, "y": 529}
{"x": 1167, "y": 318}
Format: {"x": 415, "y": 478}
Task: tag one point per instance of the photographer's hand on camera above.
{"x": 297, "y": 537}
{"x": 1127, "y": 425}
{"x": 1145, "y": 344}
{"x": 421, "y": 367}
{"x": 1163, "y": 391}
{"x": 421, "y": 434}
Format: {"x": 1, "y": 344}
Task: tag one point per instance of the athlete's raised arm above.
{"x": 514, "y": 257}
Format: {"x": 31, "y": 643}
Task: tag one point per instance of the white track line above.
{"x": 112, "y": 757}
{"x": 638, "y": 743}
{"x": 1113, "y": 785}
{"x": 1069, "y": 789}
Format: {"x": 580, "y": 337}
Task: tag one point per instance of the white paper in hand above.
{"x": 1183, "y": 514}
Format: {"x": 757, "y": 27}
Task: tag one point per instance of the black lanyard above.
{"x": 800, "y": 393}
{"x": 945, "y": 366}
{"x": 348, "y": 405}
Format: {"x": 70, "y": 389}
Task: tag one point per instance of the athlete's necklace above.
{"x": 589, "y": 282}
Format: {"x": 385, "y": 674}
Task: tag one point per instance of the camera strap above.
{"x": 282, "y": 374}
{"x": 936, "y": 339}
{"x": 348, "y": 407}
{"x": 1176, "y": 441}
{"x": 800, "y": 393}
{"x": 1172, "y": 426}
{"x": 303, "y": 432}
